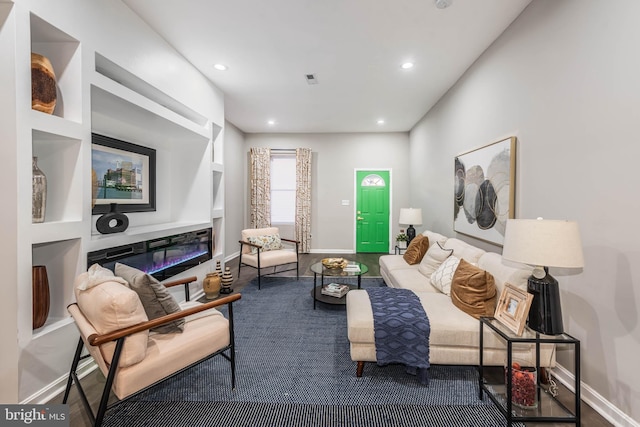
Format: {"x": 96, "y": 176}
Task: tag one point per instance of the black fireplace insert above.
{"x": 162, "y": 258}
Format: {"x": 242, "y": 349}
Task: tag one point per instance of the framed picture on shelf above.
{"x": 484, "y": 190}
{"x": 513, "y": 308}
{"x": 124, "y": 173}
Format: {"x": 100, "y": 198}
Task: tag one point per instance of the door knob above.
{"x": 359, "y": 218}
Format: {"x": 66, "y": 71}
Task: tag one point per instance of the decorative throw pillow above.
{"x": 433, "y": 258}
{"x": 441, "y": 278}
{"x": 416, "y": 250}
{"x": 155, "y": 298}
{"x": 270, "y": 242}
{"x": 473, "y": 290}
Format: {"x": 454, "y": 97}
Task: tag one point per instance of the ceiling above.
{"x": 355, "y": 48}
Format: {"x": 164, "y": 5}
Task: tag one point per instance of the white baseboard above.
{"x": 331, "y": 251}
{"x": 46, "y": 394}
{"x": 601, "y": 405}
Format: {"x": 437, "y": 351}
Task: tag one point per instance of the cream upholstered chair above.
{"x": 263, "y": 247}
{"x": 115, "y": 330}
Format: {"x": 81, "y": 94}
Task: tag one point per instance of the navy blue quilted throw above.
{"x": 401, "y": 329}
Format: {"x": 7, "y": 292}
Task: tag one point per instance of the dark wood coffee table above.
{"x": 319, "y": 269}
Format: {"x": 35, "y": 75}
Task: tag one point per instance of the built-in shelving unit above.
{"x": 96, "y": 94}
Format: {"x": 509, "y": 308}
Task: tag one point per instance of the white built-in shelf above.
{"x": 52, "y": 324}
{"x": 55, "y": 126}
{"x": 55, "y": 231}
{"x": 112, "y": 102}
{"x": 217, "y": 167}
{"x": 217, "y": 213}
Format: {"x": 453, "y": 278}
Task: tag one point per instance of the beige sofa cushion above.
{"x": 434, "y": 237}
{"x": 464, "y": 250}
{"x": 110, "y": 306}
{"x": 411, "y": 279}
{"x": 473, "y": 290}
{"x": 516, "y": 275}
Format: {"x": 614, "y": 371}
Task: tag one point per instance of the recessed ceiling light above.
{"x": 443, "y": 4}
{"x": 271, "y": 122}
{"x": 407, "y": 65}
{"x": 220, "y": 67}
{"x": 380, "y": 121}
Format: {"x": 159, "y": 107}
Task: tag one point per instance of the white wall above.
{"x": 564, "y": 79}
{"x": 234, "y": 196}
{"x": 335, "y": 157}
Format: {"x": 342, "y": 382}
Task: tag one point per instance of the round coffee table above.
{"x": 319, "y": 269}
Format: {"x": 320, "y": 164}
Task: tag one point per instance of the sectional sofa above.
{"x": 454, "y": 337}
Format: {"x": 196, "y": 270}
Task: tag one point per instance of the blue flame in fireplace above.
{"x": 173, "y": 262}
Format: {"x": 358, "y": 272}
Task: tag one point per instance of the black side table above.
{"x": 399, "y": 250}
{"x": 549, "y": 409}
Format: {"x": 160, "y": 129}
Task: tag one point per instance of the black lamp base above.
{"x": 545, "y": 314}
{"x": 411, "y": 233}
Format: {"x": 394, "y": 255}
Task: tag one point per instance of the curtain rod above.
{"x": 290, "y": 150}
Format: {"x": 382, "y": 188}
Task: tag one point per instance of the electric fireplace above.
{"x": 162, "y": 258}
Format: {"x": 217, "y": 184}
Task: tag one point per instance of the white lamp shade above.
{"x": 410, "y": 216}
{"x": 543, "y": 242}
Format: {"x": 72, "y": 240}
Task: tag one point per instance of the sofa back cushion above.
{"x": 442, "y": 278}
{"x": 434, "y": 237}
{"x": 464, "y": 250}
{"x": 473, "y": 290}
{"x": 416, "y": 250}
{"x": 516, "y": 275}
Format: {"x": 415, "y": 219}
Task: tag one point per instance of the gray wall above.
{"x": 564, "y": 79}
{"x": 335, "y": 158}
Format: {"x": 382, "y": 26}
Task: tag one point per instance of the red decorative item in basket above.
{"x": 523, "y": 386}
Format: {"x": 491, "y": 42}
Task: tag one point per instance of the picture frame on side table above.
{"x": 484, "y": 190}
{"x": 125, "y": 173}
{"x": 513, "y": 308}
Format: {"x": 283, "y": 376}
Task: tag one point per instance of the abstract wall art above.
{"x": 484, "y": 190}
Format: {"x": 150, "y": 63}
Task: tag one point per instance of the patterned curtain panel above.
{"x": 303, "y": 198}
{"x": 260, "y": 187}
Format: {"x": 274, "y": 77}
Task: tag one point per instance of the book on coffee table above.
{"x": 352, "y": 268}
{"x": 335, "y": 290}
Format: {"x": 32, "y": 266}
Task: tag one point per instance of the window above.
{"x": 283, "y": 188}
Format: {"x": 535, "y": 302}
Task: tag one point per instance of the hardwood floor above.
{"x": 94, "y": 382}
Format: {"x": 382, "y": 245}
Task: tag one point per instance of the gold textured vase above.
{"x": 211, "y": 285}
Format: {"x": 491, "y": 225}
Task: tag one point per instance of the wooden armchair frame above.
{"x": 275, "y": 267}
{"x": 119, "y": 337}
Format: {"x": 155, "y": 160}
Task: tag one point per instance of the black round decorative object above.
{"x": 112, "y": 221}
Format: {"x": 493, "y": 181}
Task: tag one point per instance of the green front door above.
{"x": 372, "y": 211}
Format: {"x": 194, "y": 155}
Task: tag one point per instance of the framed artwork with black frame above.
{"x": 125, "y": 175}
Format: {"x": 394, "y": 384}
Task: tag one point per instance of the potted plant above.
{"x": 401, "y": 239}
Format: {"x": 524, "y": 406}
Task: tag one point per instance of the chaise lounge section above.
{"x": 454, "y": 338}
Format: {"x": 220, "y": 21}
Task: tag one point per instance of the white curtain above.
{"x": 260, "y": 187}
{"x": 303, "y": 198}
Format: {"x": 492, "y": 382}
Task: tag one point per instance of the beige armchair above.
{"x": 114, "y": 328}
{"x": 263, "y": 247}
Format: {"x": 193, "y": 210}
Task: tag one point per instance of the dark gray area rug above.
{"x": 294, "y": 369}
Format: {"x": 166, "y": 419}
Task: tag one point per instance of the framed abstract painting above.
{"x": 484, "y": 190}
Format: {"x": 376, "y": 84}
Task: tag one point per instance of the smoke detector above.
{"x": 443, "y": 4}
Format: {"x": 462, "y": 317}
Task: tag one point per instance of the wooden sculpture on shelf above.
{"x": 43, "y": 84}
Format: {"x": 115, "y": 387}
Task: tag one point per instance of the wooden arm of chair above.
{"x": 290, "y": 240}
{"x": 96, "y": 339}
{"x": 184, "y": 281}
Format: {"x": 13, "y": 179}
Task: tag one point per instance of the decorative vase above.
{"x": 39, "y": 192}
{"x": 43, "y": 84}
{"x": 523, "y": 385}
{"x": 94, "y": 187}
{"x": 227, "y": 280}
{"x": 218, "y": 268}
{"x": 211, "y": 285}
{"x": 113, "y": 221}
{"x": 40, "y": 295}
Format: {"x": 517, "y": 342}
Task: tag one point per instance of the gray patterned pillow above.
{"x": 155, "y": 298}
{"x": 270, "y": 242}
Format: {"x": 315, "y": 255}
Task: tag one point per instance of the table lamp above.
{"x": 411, "y": 217}
{"x": 543, "y": 243}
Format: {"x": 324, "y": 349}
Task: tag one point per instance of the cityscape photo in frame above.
{"x": 484, "y": 190}
{"x": 125, "y": 173}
